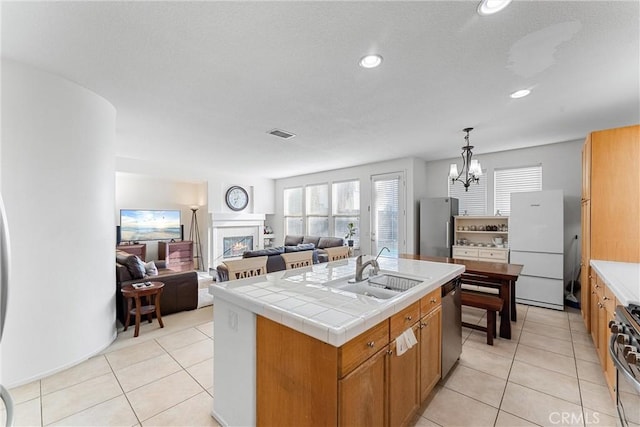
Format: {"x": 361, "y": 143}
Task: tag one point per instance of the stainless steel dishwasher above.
{"x": 451, "y": 325}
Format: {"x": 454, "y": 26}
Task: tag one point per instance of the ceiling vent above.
{"x": 281, "y": 133}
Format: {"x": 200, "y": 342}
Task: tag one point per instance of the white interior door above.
{"x": 388, "y": 213}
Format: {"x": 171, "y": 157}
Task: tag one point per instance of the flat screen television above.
{"x": 140, "y": 225}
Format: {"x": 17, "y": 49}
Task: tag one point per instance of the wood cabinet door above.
{"x": 594, "y": 314}
{"x": 615, "y": 194}
{"x": 585, "y": 258}
{"x": 430, "y": 351}
{"x": 610, "y": 368}
{"x": 603, "y": 334}
{"x": 404, "y": 374}
{"x": 362, "y": 393}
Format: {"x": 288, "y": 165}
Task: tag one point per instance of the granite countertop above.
{"x": 623, "y": 278}
{"x": 304, "y": 300}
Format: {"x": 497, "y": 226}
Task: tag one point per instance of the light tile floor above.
{"x": 164, "y": 377}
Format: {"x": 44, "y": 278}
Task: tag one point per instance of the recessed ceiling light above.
{"x": 489, "y": 7}
{"x": 520, "y": 93}
{"x": 370, "y": 61}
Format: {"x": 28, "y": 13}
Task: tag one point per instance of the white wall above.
{"x": 561, "y": 169}
{"x": 58, "y": 187}
{"x": 261, "y": 190}
{"x": 363, "y": 173}
{"x": 147, "y": 192}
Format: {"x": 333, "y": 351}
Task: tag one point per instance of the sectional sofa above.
{"x": 292, "y": 243}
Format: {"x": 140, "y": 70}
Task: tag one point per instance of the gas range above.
{"x": 624, "y": 349}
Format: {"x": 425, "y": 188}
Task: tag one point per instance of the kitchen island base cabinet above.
{"x": 297, "y": 382}
{"x": 304, "y": 381}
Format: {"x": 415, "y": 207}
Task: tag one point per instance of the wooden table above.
{"x": 152, "y": 293}
{"x": 492, "y": 274}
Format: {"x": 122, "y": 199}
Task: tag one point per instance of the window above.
{"x": 313, "y": 211}
{"x": 346, "y": 208}
{"x": 317, "y": 209}
{"x": 472, "y": 202}
{"x": 514, "y": 180}
{"x": 293, "y": 211}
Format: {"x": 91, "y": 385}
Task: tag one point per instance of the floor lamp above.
{"x": 194, "y": 236}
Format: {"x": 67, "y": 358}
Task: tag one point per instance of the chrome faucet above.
{"x": 372, "y": 262}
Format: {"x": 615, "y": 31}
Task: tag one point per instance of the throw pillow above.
{"x": 136, "y": 267}
{"x": 151, "y": 269}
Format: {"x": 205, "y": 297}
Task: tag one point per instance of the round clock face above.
{"x": 237, "y": 198}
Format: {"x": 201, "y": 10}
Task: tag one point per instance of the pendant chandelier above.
{"x": 471, "y": 169}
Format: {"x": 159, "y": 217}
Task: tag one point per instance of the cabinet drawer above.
{"x": 430, "y": 301}
{"x": 492, "y": 255}
{"x": 404, "y": 319}
{"x": 465, "y": 253}
{"x": 362, "y": 347}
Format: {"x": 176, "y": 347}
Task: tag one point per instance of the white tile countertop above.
{"x": 304, "y": 299}
{"x": 623, "y": 278}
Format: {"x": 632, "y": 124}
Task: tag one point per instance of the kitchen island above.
{"x": 294, "y": 348}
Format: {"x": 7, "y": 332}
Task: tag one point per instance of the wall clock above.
{"x": 237, "y": 198}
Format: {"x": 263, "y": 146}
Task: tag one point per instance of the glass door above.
{"x": 388, "y": 213}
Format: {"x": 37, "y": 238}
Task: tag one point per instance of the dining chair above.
{"x": 338, "y": 252}
{"x": 247, "y": 267}
{"x": 297, "y": 259}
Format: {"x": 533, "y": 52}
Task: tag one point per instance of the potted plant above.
{"x": 351, "y": 231}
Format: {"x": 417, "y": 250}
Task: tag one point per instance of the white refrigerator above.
{"x": 4, "y": 288}
{"x": 536, "y": 240}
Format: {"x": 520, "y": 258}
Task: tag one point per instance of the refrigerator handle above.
{"x": 8, "y": 405}
{"x": 448, "y": 243}
{"x": 4, "y": 266}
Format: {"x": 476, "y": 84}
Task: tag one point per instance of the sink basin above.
{"x": 364, "y": 288}
{"x": 393, "y": 282}
{"x": 382, "y": 286}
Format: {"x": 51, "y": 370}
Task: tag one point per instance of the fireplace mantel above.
{"x": 226, "y": 224}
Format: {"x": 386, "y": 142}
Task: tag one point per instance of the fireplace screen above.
{"x": 236, "y": 246}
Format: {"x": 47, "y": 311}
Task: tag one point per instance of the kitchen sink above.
{"x": 393, "y": 282}
{"x": 382, "y": 286}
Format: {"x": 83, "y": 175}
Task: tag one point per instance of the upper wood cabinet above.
{"x": 614, "y": 189}
{"x": 610, "y": 204}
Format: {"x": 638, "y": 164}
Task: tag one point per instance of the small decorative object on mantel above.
{"x": 351, "y": 231}
{"x": 498, "y": 212}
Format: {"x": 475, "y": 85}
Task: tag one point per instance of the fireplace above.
{"x": 235, "y": 246}
{"x": 232, "y": 234}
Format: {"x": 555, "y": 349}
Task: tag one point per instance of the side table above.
{"x": 152, "y": 292}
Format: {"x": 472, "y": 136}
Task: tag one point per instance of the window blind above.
{"x": 386, "y": 207}
{"x": 514, "y": 180}
{"x": 472, "y": 202}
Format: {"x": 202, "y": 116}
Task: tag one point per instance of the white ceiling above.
{"x": 201, "y": 83}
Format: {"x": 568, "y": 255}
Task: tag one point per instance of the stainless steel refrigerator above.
{"x": 436, "y": 225}
{"x": 4, "y": 287}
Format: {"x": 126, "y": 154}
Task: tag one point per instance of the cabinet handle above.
{"x": 371, "y": 344}
{"x": 433, "y": 300}
{"x": 408, "y": 318}
{"x": 600, "y": 305}
{"x": 389, "y": 352}
{"x": 605, "y": 298}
